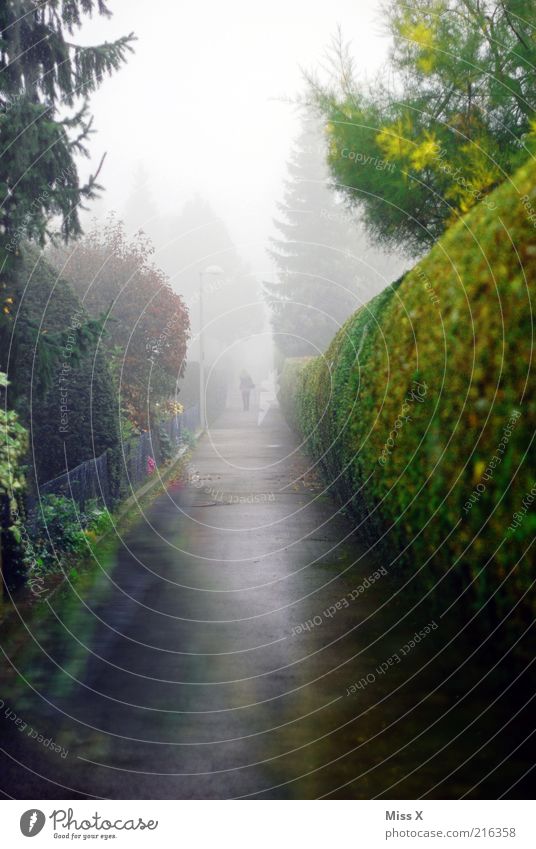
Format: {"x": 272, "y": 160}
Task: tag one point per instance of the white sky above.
{"x": 200, "y": 103}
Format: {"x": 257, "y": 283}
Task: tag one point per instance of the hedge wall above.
{"x": 87, "y": 385}
{"x": 421, "y": 412}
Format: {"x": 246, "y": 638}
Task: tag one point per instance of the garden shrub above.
{"x": 287, "y": 383}
{"x": 422, "y": 410}
{"x": 87, "y": 387}
{"x": 164, "y": 443}
{"x": 60, "y": 531}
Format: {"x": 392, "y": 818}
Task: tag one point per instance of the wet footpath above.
{"x": 244, "y": 642}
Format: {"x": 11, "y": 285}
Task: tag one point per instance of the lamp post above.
{"x": 215, "y": 271}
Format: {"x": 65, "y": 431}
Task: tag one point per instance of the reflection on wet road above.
{"x": 245, "y": 643}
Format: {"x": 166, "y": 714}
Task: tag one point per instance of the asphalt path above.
{"x": 245, "y": 642}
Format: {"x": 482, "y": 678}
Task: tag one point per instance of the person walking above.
{"x": 246, "y": 385}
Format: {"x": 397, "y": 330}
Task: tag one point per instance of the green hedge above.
{"x": 92, "y": 428}
{"x": 413, "y": 410}
{"x": 287, "y": 384}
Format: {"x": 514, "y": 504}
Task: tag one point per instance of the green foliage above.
{"x": 288, "y": 381}
{"x": 41, "y": 73}
{"x": 61, "y": 532}
{"x": 422, "y": 410}
{"x": 36, "y": 57}
{"x": 27, "y": 334}
{"x": 188, "y": 437}
{"x": 455, "y": 118}
{"x": 127, "y": 430}
{"x": 98, "y": 521}
{"x": 13, "y": 447}
{"x": 166, "y": 447}
{"x": 40, "y": 68}
{"x": 78, "y": 377}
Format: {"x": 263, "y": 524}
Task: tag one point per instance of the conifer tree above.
{"x": 450, "y": 117}
{"x": 325, "y": 269}
{"x": 45, "y": 80}
{"x": 41, "y": 73}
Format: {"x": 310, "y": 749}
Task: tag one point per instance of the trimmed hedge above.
{"x": 422, "y": 410}
{"x": 287, "y": 384}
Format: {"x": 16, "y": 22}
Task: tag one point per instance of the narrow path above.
{"x": 189, "y": 674}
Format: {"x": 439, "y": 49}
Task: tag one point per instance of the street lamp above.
{"x": 214, "y": 271}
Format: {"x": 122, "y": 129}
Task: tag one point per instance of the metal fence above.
{"x": 92, "y": 480}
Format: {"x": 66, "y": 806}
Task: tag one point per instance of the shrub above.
{"x": 413, "y": 410}
{"x": 292, "y": 366}
{"x": 188, "y": 437}
{"x": 91, "y": 426}
{"x": 61, "y": 531}
{"x": 164, "y": 441}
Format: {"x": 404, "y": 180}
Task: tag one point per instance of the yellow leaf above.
{"x": 418, "y": 33}
{"x": 426, "y": 63}
{"x": 395, "y": 141}
{"x": 478, "y": 470}
{"x": 425, "y": 153}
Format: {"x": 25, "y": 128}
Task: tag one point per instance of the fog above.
{"x": 198, "y": 128}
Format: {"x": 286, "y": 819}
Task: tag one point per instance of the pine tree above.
{"x": 319, "y": 255}
{"x": 45, "y": 80}
{"x": 43, "y": 74}
{"x": 450, "y": 117}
